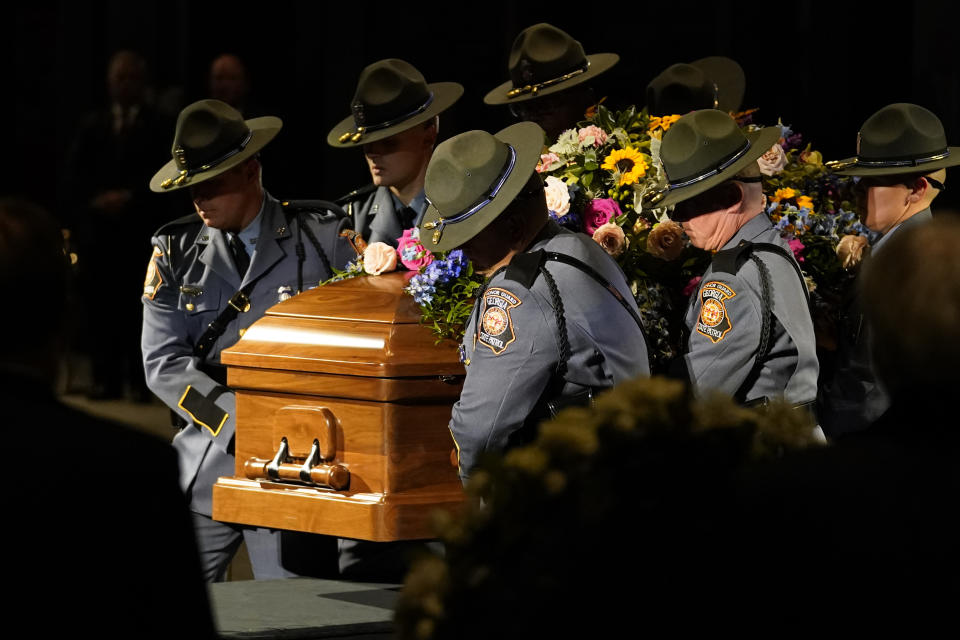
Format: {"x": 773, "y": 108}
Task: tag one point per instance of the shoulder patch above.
{"x": 495, "y": 328}
{"x": 355, "y": 239}
{"x": 153, "y": 281}
{"x": 714, "y": 322}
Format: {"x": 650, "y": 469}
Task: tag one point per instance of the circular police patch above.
{"x": 712, "y": 312}
{"x": 495, "y": 321}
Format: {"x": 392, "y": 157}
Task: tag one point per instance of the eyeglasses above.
{"x": 865, "y": 182}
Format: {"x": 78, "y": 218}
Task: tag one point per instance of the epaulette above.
{"x": 189, "y": 219}
{"x": 356, "y": 193}
{"x": 321, "y": 208}
{"x": 524, "y": 268}
{"x": 730, "y": 260}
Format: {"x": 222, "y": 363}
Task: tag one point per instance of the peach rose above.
{"x": 379, "y": 258}
{"x": 665, "y": 240}
{"x": 558, "y": 197}
{"x": 611, "y": 237}
{"x": 773, "y": 161}
{"x": 599, "y": 135}
{"x": 850, "y": 250}
{"x": 547, "y": 160}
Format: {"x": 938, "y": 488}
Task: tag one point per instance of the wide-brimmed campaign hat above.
{"x": 716, "y": 82}
{"x": 471, "y": 179}
{"x": 900, "y": 138}
{"x": 545, "y": 60}
{"x": 705, "y": 148}
{"x": 391, "y": 97}
{"x": 211, "y": 137}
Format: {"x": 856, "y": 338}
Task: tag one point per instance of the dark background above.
{"x": 821, "y": 67}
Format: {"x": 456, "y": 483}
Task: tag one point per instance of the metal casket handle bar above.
{"x": 311, "y": 471}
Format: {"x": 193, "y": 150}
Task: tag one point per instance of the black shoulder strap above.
{"x": 356, "y": 193}
{"x": 730, "y": 261}
{"x": 238, "y": 303}
{"x": 524, "y": 269}
{"x": 298, "y": 209}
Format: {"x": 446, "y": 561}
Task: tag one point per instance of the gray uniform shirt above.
{"x": 725, "y": 321}
{"x": 512, "y": 345}
{"x": 190, "y": 278}
{"x": 375, "y": 215}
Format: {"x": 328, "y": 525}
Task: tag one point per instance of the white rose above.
{"x": 558, "y": 197}
{"x": 773, "y": 161}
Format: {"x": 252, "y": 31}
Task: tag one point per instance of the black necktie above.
{"x": 406, "y": 217}
{"x": 240, "y": 256}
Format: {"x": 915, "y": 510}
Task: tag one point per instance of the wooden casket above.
{"x": 343, "y": 402}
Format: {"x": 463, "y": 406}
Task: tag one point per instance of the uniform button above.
{"x": 241, "y": 332}
{"x": 189, "y": 306}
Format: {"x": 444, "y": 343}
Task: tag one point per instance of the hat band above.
{"x": 726, "y": 163}
{"x": 903, "y": 163}
{"x": 186, "y": 174}
{"x": 534, "y": 89}
{"x": 357, "y": 134}
{"x": 439, "y": 224}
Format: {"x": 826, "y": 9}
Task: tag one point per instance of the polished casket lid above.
{"x": 364, "y": 326}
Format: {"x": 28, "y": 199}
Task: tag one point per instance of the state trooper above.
{"x": 211, "y": 275}
{"x": 394, "y": 119}
{"x": 551, "y": 79}
{"x": 900, "y": 166}
{"x": 555, "y": 322}
{"x": 750, "y": 330}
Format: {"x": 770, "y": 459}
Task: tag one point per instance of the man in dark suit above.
{"x": 97, "y": 526}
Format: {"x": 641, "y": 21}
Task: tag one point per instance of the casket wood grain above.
{"x": 347, "y": 365}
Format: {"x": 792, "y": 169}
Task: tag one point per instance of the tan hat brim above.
{"x": 599, "y": 62}
{"x": 262, "y": 131}
{"x": 852, "y": 166}
{"x": 760, "y": 142}
{"x": 526, "y": 138}
{"x": 445, "y": 94}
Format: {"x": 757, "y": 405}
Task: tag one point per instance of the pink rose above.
{"x": 599, "y": 135}
{"x": 692, "y": 285}
{"x": 413, "y": 255}
{"x": 611, "y": 237}
{"x": 773, "y": 161}
{"x": 558, "y": 197}
{"x": 599, "y": 212}
{"x": 547, "y": 160}
{"x": 666, "y": 240}
{"x": 378, "y": 258}
{"x": 796, "y": 246}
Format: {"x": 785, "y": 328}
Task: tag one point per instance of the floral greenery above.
{"x": 445, "y": 289}
{"x": 615, "y": 156}
{"x": 639, "y": 486}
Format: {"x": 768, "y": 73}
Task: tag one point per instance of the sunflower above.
{"x": 627, "y": 163}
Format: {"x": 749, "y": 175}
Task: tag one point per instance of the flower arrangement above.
{"x": 609, "y": 166}
{"x": 444, "y": 285}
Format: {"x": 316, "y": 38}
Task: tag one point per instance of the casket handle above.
{"x": 311, "y": 471}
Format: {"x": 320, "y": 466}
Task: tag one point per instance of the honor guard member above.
{"x": 550, "y": 77}
{"x": 750, "y": 331}
{"x": 555, "y": 322}
{"x": 395, "y": 121}
{"x": 901, "y": 162}
{"x": 716, "y": 82}
{"x": 211, "y": 275}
